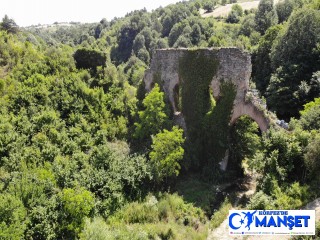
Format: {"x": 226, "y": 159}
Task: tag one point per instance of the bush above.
{"x": 138, "y": 213}
{"x": 167, "y": 218}
{"x": 208, "y": 6}
{"x": 89, "y": 59}
{"x": 260, "y": 201}
{"x": 95, "y": 229}
{"x": 12, "y": 217}
{"x": 292, "y": 197}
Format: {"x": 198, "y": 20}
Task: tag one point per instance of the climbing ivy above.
{"x": 196, "y": 71}
{"x": 207, "y": 124}
{"x": 217, "y": 126}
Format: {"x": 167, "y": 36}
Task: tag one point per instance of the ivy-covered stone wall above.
{"x": 203, "y": 87}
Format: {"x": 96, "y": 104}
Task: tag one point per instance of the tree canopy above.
{"x": 86, "y": 152}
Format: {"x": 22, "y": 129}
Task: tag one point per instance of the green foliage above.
{"x": 260, "y": 201}
{"x": 12, "y": 217}
{"x": 179, "y": 30}
{"x": 244, "y": 142}
{"x": 247, "y": 25}
{"x": 43, "y": 220}
{"x": 310, "y": 106}
{"x": 76, "y": 204}
{"x": 95, "y": 229}
{"x": 310, "y": 115}
{"x": 199, "y": 192}
{"x": 56, "y": 124}
{"x": 166, "y": 153}
{"x": 293, "y": 66}
{"x": 126, "y": 36}
{"x": 266, "y": 16}
{"x": 196, "y": 71}
{"x": 184, "y": 219}
{"x": 138, "y": 43}
{"x": 169, "y": 208}
{"x": 142, "y": 232}
{"x": 135, "y": 68}
{"x": 284, "y": 9}
{"x": 143, "y": 55}
{"x": 281, "y": 159}
{"x": 232, "y": 17}
{"x": 8, "y": 25}
{"x": 312, "y": 158}
{"x": 182, "y": 42}
{"x": 235, "y": 14}
{"x": 217, "y": 126}
{"x": 89, "y": 59}
{"x": 115, "y": 176}
{"x": 294, "y": 196}
{"x": 262, "y": 70}
{"x": 195, "y": 34}
{"x": 208, "y": 6}
{"x": 154, "y": 117}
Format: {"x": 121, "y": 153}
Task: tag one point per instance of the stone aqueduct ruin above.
{"x": 234, "y": 65}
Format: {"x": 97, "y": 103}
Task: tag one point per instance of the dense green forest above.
{"x": 86, "y": 153}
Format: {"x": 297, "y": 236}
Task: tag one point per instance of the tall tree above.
{"x": 166, "y": 153}
{"x": 154, "y": 117}
{"x": 266, "y": 16}
{"x": 295, "y": 57}
{"x": 261, "y": 67}
{"x": 9, "y": 25}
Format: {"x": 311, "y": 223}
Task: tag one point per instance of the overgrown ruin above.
{"x": 233, "y": 66}
{"x": 190, "y": 78}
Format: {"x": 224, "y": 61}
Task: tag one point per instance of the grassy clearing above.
{"x": 200, "y": 193}
{"x": 166, "y": 216}
{"x": 97, "y": 229}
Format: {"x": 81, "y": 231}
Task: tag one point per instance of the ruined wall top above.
{"x": 233, "y": 65}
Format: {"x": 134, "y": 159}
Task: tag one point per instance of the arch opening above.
{"x": 244, "y": 141}
{"x": 251, "y": 110}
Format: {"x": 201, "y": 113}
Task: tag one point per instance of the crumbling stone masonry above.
{"x": 234, "y": 66}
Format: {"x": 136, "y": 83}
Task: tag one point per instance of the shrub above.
{"x": 89, "y": 59}
{"x": 166, "y": 153}
{"x": 260, "y": 201}
{"x": 12, "y": 217}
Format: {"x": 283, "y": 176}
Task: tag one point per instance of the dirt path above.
{"x": 314, "y": 205}
{"x": 222, "y": 232}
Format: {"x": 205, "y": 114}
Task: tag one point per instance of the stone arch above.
{"x": 234, "y": 66}
{"x": 251, "y": 110}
